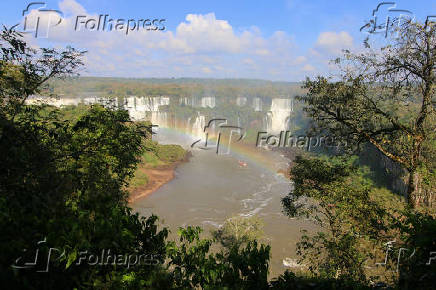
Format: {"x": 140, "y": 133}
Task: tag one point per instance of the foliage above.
{"x": 24, "y": 71}
{"x": 333, "y": 196}
{"x": 170, "y": 153}
{"x": 173, "y": 87}
{"x": 417, "y": 264}
{"x": 384, "y": 97}
{"x": 289, "y": 280}
{"x": 62, "y": 181}
{"x": 238, "y": 231}
{"x": 239, "y": 268}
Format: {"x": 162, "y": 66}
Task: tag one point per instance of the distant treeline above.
{"x": 181, "y": 87}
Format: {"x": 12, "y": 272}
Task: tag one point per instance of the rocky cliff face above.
{"x": 395, "y": 177}
{"x": 398, "y": 175}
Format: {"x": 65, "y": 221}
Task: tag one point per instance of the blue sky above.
{"x": 276, "y": 40}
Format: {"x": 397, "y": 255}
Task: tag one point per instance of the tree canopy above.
{"x": 384, "y": 96}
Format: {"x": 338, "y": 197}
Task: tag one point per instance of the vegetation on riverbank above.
{"x": 159, "y": 160}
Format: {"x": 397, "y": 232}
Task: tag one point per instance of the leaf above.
{"x": 71, "y": 258}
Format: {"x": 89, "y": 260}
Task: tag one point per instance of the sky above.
{"x": 274, "y": 40}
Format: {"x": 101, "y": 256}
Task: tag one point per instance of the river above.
{"x": 211, "y": 188}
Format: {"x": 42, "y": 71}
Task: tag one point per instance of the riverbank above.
{"x": 156, "y": 169}
{"x": 156, "y": 178}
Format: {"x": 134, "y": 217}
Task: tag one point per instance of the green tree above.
{"x": 417, "y": 266}
{"x": 331, "y": 194}
{"x": 238, "y": 231}
{"x": 25, "y": 71}
{"x": 384, "y": 96}
{"x": 194, "y": 265}
{"x": 62, "y": 181}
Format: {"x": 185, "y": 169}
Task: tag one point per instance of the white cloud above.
{"x": 200, "y": 45}
{"x": 333, "y": 42}
{"x": 300, "y": 59}
{"x": 308, "y": 68}
{"x": 71, "y": 7}
{"x": 205, "y": 33}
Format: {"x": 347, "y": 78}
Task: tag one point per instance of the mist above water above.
{"x": 276, "y": 116}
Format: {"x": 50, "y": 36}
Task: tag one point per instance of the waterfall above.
{"x": 90, "y": 100}
{"x": 195, "y": 102}
{"x": 241, "y": 101}
{"x": 257, "y": 104}
{"x": 208, "y": 102}
{"x": 152, "y": 104}
{"x": 57, "y": 102}
{"x": 267, "y": 121}
{"x": 160, "y": 119}
{"x": 279, "y": 115}
{"x": 68, "y": 101}
{"x": 184, "y": 101}
{"x": 188, "y": 126}
{"x": 153, "y": 108}
{"x": 139, "y": 106}
{"x": 198, "y": 126}
{"x": 130, "y": 104}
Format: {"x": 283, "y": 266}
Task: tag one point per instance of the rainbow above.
{"x": 242, "y": 151}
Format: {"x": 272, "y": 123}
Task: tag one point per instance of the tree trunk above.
{"x": 412, "y": 189}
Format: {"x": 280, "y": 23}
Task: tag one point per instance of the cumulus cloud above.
{"x": 333, "y": 42}
{"x": 71, "y": 7}
{"x": 308, "y": 68}
{"x": 205, "y": 33}
{"x": 200, "y": 45}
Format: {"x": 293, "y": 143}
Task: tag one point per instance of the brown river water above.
{"x": 211, "y": 188}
